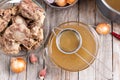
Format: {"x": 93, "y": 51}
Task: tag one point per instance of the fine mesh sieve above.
{"x": 77, "y": 34}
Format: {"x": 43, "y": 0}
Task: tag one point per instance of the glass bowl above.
{"x": 57, "y": 7}
{"x": 74, "y": 62}
{"x": 4, "y": 5}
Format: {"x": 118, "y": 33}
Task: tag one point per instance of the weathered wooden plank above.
{"x": 87, "y": 10}
{"x": 116, "y": 53}
{"x": 4, "y": 67}
{"x": 33, "y": 69}
{"x": 5, "y": 60}
{"x": 72, "y": 16}
{"x": 54, "y": 18}
{"x": 105, "y": 51}
{"x": 87, "y": 15}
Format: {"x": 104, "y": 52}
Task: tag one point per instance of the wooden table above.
{"x": 84, "y": 11}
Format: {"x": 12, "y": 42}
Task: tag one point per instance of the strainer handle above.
{"x": 96, "y": 58}
{"x": 89, "y": 64}
{"x": 53, "y": 30}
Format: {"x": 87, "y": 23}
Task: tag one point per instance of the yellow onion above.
{"x": 61, "y": 2}
{"x": 103, "y": 28}
{"x": 17, "y": 65}
{"x": 70, "y": 1}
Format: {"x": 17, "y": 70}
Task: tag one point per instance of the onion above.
{"x": 17, "y": 65}
{"x": 42, "y": 73}
{"x": 70, "y": 1}
{"x": 33, "y": 58}
{"x": 103, "y": 28}
{"x": 61, "y": 2}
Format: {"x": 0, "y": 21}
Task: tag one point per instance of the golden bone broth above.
{"x": 114, "y": 4}
{"x": 72, "y": 62}
{"x": 69, "y": 41}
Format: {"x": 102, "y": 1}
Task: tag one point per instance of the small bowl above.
{"x": 59, "y": 7}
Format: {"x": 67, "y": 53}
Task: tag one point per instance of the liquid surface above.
{"x": 114, "y": 4}
{"x": 72, "y": 62}
{"x": 69, "y": 41}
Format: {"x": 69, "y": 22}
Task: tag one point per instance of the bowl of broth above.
{"x": 72, "y": 46}
{"x": 110, "y": 9}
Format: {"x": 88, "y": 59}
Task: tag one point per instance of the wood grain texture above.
{"x": 116, "y": 53}
{"x": 105, "y": 52}
{"x": 9, "y": 75}
{"x": 4, "y": 63}
{"x": 54, "y": 18}
{"x": 87, "y": 16}
{"x": 4, "y": 69}
{"x": 34, "y": 69}
{"x": 84, "y": 11}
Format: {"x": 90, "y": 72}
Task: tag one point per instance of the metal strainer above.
{"x": 77, "y": 34}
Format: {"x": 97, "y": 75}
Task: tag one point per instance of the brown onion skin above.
{"x": 61, "y": 3}
{"x": 17, "y": 65}
{"x": 70, "y": 1}
{"x": 103, "y": 28}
